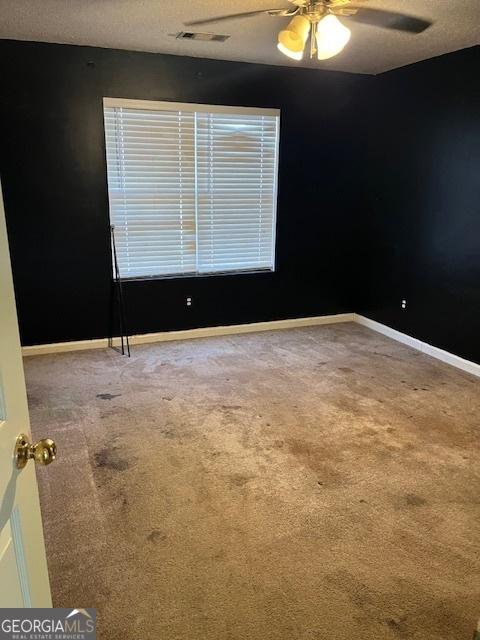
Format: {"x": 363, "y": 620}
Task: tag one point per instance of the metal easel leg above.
{"x": 125, "y": 342}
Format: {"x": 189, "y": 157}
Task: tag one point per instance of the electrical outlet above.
{"x": 404, "y": 304}
{"x": 188, "y": 301}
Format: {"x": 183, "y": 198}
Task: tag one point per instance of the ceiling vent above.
{"x": 204, "y": 37}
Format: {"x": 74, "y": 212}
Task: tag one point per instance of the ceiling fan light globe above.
{"x": 295, "y": 55}
{"x": 332, "y": 36}
{"x": 292, "y": 39}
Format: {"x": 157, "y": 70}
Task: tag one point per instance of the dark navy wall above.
{"x": 53, "y": 172}
{"x": 421, "y": 237}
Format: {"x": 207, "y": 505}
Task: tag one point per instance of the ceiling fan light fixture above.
{"x": 291, "y": 41}
{"x": 295, "y": 55}
{"x": 332, "y": 36}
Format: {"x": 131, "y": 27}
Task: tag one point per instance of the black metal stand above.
{"x": 121, "y": 304}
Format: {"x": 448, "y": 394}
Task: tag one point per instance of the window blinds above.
{"x": 192, "y": 188}
{"x": 236, "y": 166}
{"x": 151, "y": 184}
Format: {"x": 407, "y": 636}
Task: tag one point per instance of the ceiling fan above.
{"x": 318, "y": 20}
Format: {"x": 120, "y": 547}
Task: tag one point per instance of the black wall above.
{"x": 53, "y": 172}
{"x": 422, "y": 203}
{"x": 379, "y": 193}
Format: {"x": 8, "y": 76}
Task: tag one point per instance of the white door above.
{"x": 23, "y": 566}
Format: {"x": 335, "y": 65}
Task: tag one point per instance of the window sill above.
{"x": 182, "y": 276}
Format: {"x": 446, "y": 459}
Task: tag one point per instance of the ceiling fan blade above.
{"x": 389, "y": 19}
{"x": 247, "y": 14}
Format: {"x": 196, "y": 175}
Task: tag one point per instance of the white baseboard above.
{"x": 206, "y": 332}
{"x": 187, "y": 334}
{"x": 424, "y": 347}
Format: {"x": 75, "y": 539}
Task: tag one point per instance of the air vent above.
{"x": 205, "y": 37}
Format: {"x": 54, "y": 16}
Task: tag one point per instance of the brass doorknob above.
{"x": 43, "y": 452}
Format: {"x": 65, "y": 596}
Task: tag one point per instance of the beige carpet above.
{"x": 310, "y": 484}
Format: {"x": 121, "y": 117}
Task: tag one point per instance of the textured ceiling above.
{"x": 145, "y": 25}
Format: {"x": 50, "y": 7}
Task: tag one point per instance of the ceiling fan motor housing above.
{"x": 317, "y": 3}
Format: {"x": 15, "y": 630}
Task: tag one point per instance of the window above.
{"x": 192, "y": 188}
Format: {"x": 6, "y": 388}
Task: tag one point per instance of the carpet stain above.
{"x": 306, "y": 453}
{"x": 108, "y": 396}
{"x": 413, "y": 500}
{"x": 239, "y": 480}
{"x": 169, "y": 433}
{"x": 110, "y": 458}
{"x": 156, "y": 536}
{"x": 399, "y": 626}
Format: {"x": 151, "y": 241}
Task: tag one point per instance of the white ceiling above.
{"x": 145, "y": 25}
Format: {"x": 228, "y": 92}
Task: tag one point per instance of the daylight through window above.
{"x": 192, "y": 188}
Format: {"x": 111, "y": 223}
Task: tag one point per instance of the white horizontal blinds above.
{"x": 192, "y": 187}
{"x": 236, "y": 190}
{"x": 151, "y": 182}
